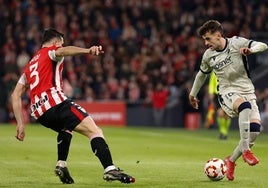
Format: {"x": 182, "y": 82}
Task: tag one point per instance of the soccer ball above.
{"x": 215, "y": 169}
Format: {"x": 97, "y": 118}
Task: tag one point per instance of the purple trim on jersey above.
{"x": 205, "y": 72}
{"x": 246, "y": 66}
{"x": 249, "y": 45}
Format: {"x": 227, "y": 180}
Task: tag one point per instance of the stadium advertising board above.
{"x": 106, "y": 113}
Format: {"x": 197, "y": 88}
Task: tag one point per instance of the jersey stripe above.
{"x": 39, "y": 110}
{"x": 62, "y": 96}
{"x": 56, "y": 97}
{"x": 46, "y": 104}
{"x": 57, "y": 75}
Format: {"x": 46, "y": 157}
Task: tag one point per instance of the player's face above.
{"x": 212, "y": 40}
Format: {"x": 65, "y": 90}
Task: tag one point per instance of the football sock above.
{"x": 252, "y": 138}
{"x": 101, "y": 150}
{"x": 244, "y": 128}
{"x": 238, "y": 150}
{"x": 221, "y": 124}
{"x": 227, "y": 123}
{"x": 61, "y": 163}
{"x": 254, "y": 132}
{"x": 236, "y": 153}
{"x": 111, "y": 167}
{"x": 64, "y": 140}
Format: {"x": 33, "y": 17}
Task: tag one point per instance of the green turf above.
{"x": 157, "y": 158}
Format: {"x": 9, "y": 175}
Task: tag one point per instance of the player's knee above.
{"x": 96, "y": 133}
{"x": 98, "y": 130}
{"x": 220, "y": 113}
{"x": 243, "y": 106}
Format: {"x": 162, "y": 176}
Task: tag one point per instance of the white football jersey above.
{"x": 230, "y": 66}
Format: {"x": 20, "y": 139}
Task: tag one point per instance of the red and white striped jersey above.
{"x": 43, "y": 75}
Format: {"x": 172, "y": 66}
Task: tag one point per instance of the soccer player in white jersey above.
{"x": 50, "y": 106}
{"x": 227, "y": 58}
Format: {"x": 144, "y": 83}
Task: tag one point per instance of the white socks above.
{"x": 61, "y": 163}
{"x": 244, "y": 128}
{"x": 112, "y": 167}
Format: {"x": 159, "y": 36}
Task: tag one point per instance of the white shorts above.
{"x": 227, "y": 100}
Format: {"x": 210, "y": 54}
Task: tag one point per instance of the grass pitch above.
{"x": 157, "y": 158}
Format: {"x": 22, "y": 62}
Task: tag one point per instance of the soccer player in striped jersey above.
{"x": 227, "y": 57}
{"x": 50, "y": 106}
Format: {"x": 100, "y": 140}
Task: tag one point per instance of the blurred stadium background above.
{"x": 146, "y": 42}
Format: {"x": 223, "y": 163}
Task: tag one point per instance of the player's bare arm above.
{"x": 73, "y": 50}
{"x": 17, "y": 106}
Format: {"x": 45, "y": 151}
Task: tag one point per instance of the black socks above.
{"x": 101, "y": 150}
{"x": 64, "y": 141}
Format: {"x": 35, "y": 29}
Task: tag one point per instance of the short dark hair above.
{"x": 210, "y": 26}
{"x": 50, "y": 34}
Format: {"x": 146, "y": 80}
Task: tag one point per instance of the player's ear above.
{"x": 218, "y": 34}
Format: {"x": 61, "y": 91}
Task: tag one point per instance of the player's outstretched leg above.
{"x": 230, "y": 168}
{"x": 117, "y": 174}
{"x": 250, "y": 158}
{"x": 64, "y": 175}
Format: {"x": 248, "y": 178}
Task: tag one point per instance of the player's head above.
{"x": 212, "y": 33}
{"x": 52, "y": 36}
{"x": 211, "y": 26}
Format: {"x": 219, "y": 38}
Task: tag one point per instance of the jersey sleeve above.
{"x": 255, "y": 46}
{"x": 53, "y": 57}
{"x": 242, "y": 42}
{"x": 23, "y": 79}
{"x": 204, "y": 67}
{"x": 198, "y": 83}
{"x": 258, "y": 46}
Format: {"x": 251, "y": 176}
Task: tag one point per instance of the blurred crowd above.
{"x": 146, "y": 42}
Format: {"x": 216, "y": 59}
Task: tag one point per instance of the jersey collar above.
{"x": 226, "y": 44}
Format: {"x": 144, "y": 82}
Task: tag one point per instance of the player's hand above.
{"x": 20, "y": 132}
{"x": 245, "y": 51}
{"x": 193, "y": 101}
{"x": 96, "y": 50}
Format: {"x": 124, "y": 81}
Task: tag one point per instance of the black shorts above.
{"x": 64, "y": 116}
{"x": 216, "y": 101}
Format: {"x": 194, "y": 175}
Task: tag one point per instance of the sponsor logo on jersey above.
{"x": 221, "y": 64}
{"x": 39, "y": 103}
